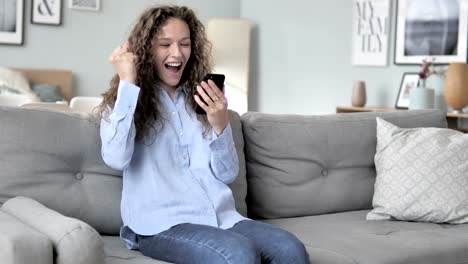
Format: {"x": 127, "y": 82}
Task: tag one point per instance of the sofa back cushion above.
{"x": 55, "y": 158}
{"x": 308, "y": 165}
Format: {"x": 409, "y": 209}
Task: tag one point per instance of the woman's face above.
{"x": 171, "y": 51}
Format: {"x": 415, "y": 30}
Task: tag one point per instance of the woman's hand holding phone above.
{"x": 215, "y": 105}
{"x": 122, "y": 61}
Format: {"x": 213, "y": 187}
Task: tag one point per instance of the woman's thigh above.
{"x": 275, "y": 245}
{"x": 191, "y": 243}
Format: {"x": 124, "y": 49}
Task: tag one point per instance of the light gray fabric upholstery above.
{"x": 239, "y": 186}
{"x": 349, "y": 238}
{"x": 117, "y": 253}
{"x": 55, "y": 158}
{"x": 75, "y": 242}
{"x": 21, "y": 244}
{"x": 307, "y": 165}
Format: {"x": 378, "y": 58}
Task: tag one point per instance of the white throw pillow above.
{"x": 18, "y": 82}
{"x": 422, "y": 175}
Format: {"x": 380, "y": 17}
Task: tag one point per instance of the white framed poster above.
{"x": 431, "y": 30}
{"x": 11, "y": 22}
{"x": 48, "y": 12}
{"x": 371, "y": 28}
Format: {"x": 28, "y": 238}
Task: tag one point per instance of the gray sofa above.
{"x": 311, "y": 175}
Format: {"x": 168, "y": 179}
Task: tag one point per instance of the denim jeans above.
{"x": 245, "y": 243}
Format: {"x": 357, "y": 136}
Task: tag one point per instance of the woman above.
{"x": 176, "y": 205}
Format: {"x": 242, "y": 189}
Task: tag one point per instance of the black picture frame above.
{"x": 409, "y": 80}
{"x": 46, "y": 12}
{"x": 418, "y": 33}
{"x": 12, "y": 29}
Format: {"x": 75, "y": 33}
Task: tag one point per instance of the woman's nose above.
{"x": 175, "y": 50}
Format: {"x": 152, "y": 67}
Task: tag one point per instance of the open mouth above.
{"x": 173, "y": 66}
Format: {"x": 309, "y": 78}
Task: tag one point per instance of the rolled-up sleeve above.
{"x": 224, "y": 160}
{"x": 118, "y": 129}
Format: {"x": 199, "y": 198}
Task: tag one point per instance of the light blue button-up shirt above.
{"x": 177, "y": 175}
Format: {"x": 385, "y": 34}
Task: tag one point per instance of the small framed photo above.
{"x": 408, "y": 82}
{"x": 432, "y": 30}
{"x": 89, "y": 5}
{"x": 46, "y": 12}
{"x": 11, "y": 22}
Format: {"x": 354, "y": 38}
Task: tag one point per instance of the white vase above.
{"x": 421, "y": 97}
{"x": 436, "y": 81}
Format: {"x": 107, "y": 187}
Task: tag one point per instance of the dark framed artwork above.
{"x": 46, "y": 12}
{"x": 11, "y": 22}
{"x": 431, "y": 30}
{"x": 408, "y": 82}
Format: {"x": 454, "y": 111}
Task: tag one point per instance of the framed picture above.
{"x": 11, "y": 22}
{"x": 90, "y": 5}
{"x": 47, "y": 12}
{"x": 371, "y": 23}
{"x": 408, "y": 81}
{"x": 431, "y": 30}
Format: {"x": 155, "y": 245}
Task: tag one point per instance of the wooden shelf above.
{"x": 352, "y": 109}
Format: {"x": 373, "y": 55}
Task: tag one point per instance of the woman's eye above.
{"x": 165, "y": 45}
{"x": 185, "y": 44}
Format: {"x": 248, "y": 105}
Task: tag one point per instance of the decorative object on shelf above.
{"x": 359, "y": 97}
{"x": 371, "y": 27}
{"x": 456, "y": 86}
{"x": 89, "y": 5}
{"x": 422, "y": 97}
{"x": 11, "y": 22}
{"x": 431, "y": 29}
{"x": 408, "y": 81}
{"x": 46, "y": 12}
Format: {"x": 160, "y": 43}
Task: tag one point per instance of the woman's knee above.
{"x": 241, "y": 250}
{"x": 291, "y": 250}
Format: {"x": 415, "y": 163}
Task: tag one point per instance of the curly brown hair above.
{"x": 141, "y": 40}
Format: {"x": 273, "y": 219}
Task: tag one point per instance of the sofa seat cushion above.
{"x": 349, "y": 238}
{"x": 117, "y": 253}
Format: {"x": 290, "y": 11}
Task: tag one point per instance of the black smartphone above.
{"x": 218, "y": 79}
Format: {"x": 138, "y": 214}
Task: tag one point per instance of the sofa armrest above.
{"x": 73, "y": 240}
{"x": 19, "y": 243}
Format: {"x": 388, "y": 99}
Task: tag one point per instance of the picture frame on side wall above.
{"x": 46, "y": 12}
{"x": 432, "y": 30}
{"x": 11, "y": 22}
{"x": 408, "y": 82}
{"x": 87, "y": 5}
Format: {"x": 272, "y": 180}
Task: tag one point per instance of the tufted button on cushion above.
{"x": 79, "y": 176}
{"x": 324, "y": 172}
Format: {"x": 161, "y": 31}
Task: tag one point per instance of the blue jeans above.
{"x": 245, "y": 243}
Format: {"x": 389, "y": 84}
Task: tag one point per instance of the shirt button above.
{"x": 173, "y": 112}
{"x": 181, "y": 134}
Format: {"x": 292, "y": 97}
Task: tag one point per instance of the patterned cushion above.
{"x": 422, "y": 175}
